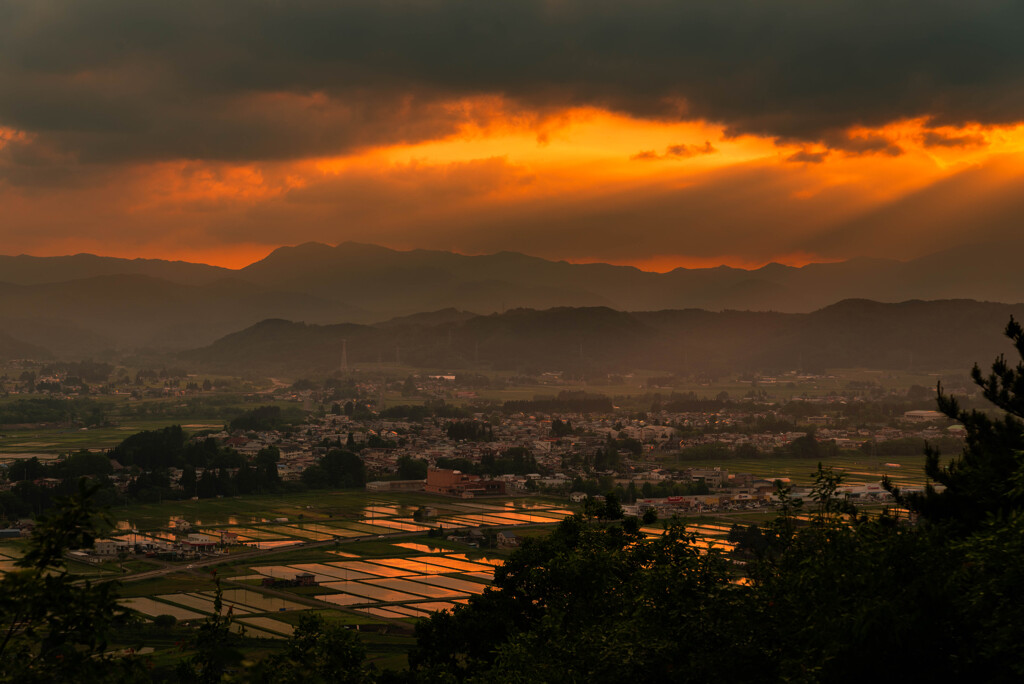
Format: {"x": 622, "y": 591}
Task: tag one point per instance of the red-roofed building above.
{"x": 457, "y": 483}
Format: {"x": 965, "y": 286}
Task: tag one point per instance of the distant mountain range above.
{"x": 84, "y": 305}
{"x": 947, "y": 335}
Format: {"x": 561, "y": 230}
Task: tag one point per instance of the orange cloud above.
{"x": 560, "y": 184}
{"x": 179, "y": 186}
{"x": 11, "y": 135}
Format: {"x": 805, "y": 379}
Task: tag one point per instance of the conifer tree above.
{"x": 987, "y": 479}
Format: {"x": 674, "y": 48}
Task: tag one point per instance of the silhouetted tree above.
{"x": 52, "y": 627}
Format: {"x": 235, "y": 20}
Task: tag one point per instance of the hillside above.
{"x": 31, "y": 270}
{"x": 83, "y": 305}
{"x": 127, "y": 311}
{"x": 854, "y": 333}
{"x": 13, "y": 348}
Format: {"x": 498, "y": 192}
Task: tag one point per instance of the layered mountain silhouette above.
{"x": 915, "y": 335}
{"x": 84, "y": 305}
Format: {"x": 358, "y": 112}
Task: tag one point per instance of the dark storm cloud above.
{"x": 807, "y": 157}
{"x": 646, "y": 155}
{"x": 686, "y": 151}
{"x": 937, "y": 139}
{"x": 867, "y": 144}
{"x": 116, "y": 80}
{"x": 680, "y": 151}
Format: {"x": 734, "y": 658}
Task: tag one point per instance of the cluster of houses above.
{"x": 559, "y": 459}
{"x": 561, "y": 456}
{"x": 475, "y": 537}
{"x": 844, "y": 438}
{"x": 659, "y": 432}
{"x": 446, "y": 482}
{"x": 758, "y": 493}
{"x": 177, "y": 547}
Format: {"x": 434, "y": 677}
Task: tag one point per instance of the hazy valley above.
{"x": 288, "y": 313}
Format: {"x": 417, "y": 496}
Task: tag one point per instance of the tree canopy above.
{"x": 53, "y": 628}
{"x": 337, "y": 469}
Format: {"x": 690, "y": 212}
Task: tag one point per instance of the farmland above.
{"x": 375, "y": 569}
{"x": 370, "y": 573}
{"x": 855, "y": 467}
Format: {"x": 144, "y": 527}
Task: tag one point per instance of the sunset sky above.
{"x": 658, "y": 133}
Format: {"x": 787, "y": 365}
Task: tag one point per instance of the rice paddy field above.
{"x": 374, "y": 567}
{"x": 325, "y": 516}
{"x": 386, "y": 578}
{"x": 394, "y": 580}
{"x": 378, "y": 587}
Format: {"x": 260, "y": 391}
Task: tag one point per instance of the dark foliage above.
{"x": 152, "y": 449}
{"x": 587, "y": 603}
{"x": 470, "y": 431}
{"x": 337, "y": 469}
{"x": 987, "y": 479}
{"x": 259, "y": 419}
{"x": 46, "y": 410}
{"x": 53, "y": 629}
{"x": 410, "y": 468}
{"x": 317, "y": 653}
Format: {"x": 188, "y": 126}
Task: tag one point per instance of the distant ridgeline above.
{"x": 84, "y": 306}
{"x": 916, "y": 335}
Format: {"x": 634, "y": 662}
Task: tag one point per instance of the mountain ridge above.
{"x": 851, "y": 333}
{"x": 174, "y": 305}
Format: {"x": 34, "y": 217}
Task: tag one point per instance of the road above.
{"x": 255, "y": 554}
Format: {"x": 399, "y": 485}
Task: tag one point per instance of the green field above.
{"x": 855, "y": 467}
{"x": 62, "y": 440}
{"x": 784, "y": 388}
{"x": 635, "y": 382}
{"x": 127, "y": 417}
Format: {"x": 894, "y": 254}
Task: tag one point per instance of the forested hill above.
{"x": 917, "y": 335}
{"x": 11, "y": 348}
